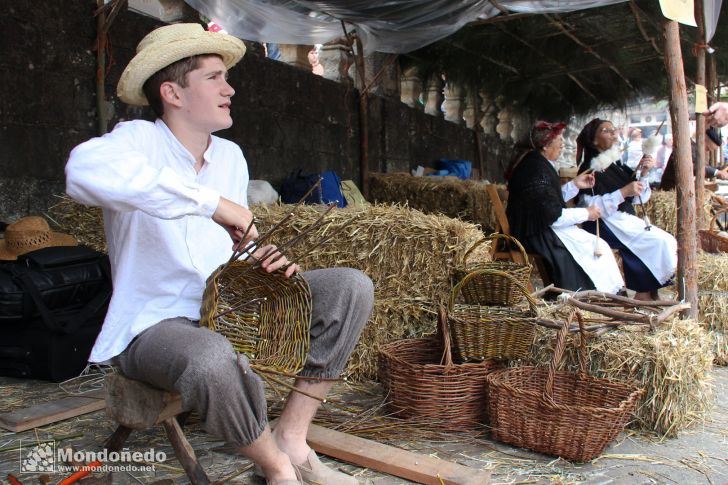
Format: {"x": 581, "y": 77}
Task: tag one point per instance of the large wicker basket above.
{"x": 264, "y": 315}
{"x": 422, "y": 381}
{"x": 710, "y": 240}
{"x": 493, "y": 289}
{"x": 571, "y": 415}
{"x": 491, "y": 332}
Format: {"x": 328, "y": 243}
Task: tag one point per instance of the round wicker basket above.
{"x": 264, "y": 315}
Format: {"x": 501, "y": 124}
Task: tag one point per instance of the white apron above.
{"x": 602, "y": 270}
{"x": 656, "y": 248}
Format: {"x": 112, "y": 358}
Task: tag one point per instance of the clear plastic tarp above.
{"x": 395, "y": 26}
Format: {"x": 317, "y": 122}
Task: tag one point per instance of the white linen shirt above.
{"x": 161, "y": 239}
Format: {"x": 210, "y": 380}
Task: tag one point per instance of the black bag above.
{"x": 52, "y": 304}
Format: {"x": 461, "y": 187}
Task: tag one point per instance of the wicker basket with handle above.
{"x": 710, "y": 239}
{"x": 567, "y": 414}
{"x": 422, "y": 381}
{"x": 486, "y": 332}
{"x": 493, "y": 289}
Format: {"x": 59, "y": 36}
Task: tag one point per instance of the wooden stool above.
{"x": 136, "y": 405}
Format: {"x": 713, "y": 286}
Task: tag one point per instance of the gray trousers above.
{"x": 216, "y": 382}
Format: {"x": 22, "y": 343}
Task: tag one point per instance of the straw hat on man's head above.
{"x": 28, "y": 234}
{"x": 167, "y": 45}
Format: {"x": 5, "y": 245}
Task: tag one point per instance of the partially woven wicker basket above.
{"x": 491, "y": 288}
{"x": 710, "y": 240}
{"x": 264, "y": 315}
{"x": 422, "y": 381}
{"x": 491, "y": 332}
{"x": 567, "y": 414}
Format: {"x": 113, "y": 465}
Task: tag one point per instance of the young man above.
{"x": 174, "y": 196}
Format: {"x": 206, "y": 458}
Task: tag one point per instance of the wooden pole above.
{"x": 687, "y": 277}
{"x": 363, "y": 118}
{"x": 699, "y": 161}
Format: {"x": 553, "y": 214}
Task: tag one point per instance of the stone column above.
{"x": 453, "y": 105}
{"x": 336, "y": 60}
{"x": 489, "y": 110}
{"x": 504, "y": 127}
{"x": 471, "y": 108}
{"x": 387, "y": 83}
{"x": 410, "y": 88}
{"x": 433, "y": 96}
{"x": 295, "y": 55}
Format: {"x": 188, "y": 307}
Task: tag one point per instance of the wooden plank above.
{"x": 53, "y": 411}
{"x": 394, "y": 461}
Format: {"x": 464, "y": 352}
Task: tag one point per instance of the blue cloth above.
{"x": 458, "y": 168}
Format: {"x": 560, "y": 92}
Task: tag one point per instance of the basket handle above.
{"x": 559, "y": 352}
{"x": 493, "y": 272}
{"x": 714, "y": 220}
{"x": 444, "y": 330}
{"x": 496, "y": 235}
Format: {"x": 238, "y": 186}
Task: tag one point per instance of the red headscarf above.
{"x": 543, "y": 132}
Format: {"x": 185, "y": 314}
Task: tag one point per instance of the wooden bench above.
{"x": 136, "y": 405}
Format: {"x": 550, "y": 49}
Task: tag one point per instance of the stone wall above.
{"x": 285, "y": 117}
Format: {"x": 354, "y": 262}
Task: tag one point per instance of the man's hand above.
{"x": 273, "y": 260}
{"x": 235, "y": 219}
{"x": 632, "y": 189}
{"x": 584, "y": 180}
{"x": 717, "y": 115}
{"x": 594, "y": 213}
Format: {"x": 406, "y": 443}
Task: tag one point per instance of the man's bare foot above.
{"x": 643, "y": 296}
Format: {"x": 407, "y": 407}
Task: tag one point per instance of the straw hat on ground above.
{"x": 167, "y": 45}
{"x": 28, "y": 234}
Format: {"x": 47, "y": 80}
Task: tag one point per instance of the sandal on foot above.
{"x": 313, "y": 471}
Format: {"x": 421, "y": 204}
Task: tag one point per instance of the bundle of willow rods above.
{"x": 450, "y": 196}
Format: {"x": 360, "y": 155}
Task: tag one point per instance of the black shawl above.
{"x": 534, "y": 196}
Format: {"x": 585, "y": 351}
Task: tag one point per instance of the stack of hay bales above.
{"x": 662, "y": 209}
{"x": 713, "y": 300}
{"x": 450, "y": 196}
{"x": 672, "y": 364}
{"x": 409, "y": 256}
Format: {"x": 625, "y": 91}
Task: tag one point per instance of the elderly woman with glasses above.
{"x": 540, "y": 220}
{"x": 649, "y": 254}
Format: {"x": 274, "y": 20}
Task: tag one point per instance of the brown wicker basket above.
{"x": 264, "y": 315}
{"x": 491, "y": 332}
{"x": 710, "y": 240}
{"x": 492, "y": 289}
{"x": 422, "y": 381}
{"x": 567, "y": 414}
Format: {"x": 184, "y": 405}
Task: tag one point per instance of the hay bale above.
{"x": 450, "y": 196}
{"x": 84, "y": 223}
{"x": 713, "y": 300}
{"x": 662, "y": 209}
{"x": 407, "y": 254}
{"x": 672, "y": 364}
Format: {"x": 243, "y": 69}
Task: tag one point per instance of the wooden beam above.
{"x": 638, "y": 20}
{"x": 394, "y": 461}
{"x": 52, "y": 412}
{"x": 559, "y": 25}
{"x": 687, "y": 276}
{"x": 561, "y": 66}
